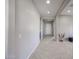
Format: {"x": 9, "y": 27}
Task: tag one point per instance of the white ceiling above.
{"x": 43, "y": 8}
{"x": 55, "y": 6}
{"x": 68, "y": 10}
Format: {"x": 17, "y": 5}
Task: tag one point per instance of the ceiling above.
{"x": 68, "y": 10}
{"x": 43, "y": 8}
{"x": 50, "y": 10}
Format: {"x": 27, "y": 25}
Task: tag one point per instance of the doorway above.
{"x": 47, "y": 28}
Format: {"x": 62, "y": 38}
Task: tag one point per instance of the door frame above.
{"x": 51, "y": 22}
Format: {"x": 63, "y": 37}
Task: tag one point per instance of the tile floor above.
{"x": 50, "y": 49}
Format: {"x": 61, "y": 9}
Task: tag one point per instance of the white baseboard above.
{"x": 32, "y": 51}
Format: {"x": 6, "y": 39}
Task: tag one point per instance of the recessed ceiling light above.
{"x": 48, "y": 2}
{"x": 68, "y": 11}
{"x": 48, "y": 12}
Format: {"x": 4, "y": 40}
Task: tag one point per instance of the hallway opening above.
{"x": 39, "y": 29}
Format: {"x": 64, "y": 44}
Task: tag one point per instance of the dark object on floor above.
{"x": 70, "y": 39}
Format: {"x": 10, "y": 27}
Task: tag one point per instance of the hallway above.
{"x": 50, "y": 49}
{"x": 29, "y": 24}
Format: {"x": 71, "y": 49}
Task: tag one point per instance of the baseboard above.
{"x": 32, "y": 51}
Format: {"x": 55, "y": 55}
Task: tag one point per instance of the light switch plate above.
{"x": 20, "y": 36}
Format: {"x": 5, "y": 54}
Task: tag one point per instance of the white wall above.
{"x": 10, "y": 29}
{"x": 27, "y": 28}
{"x": 64, "y": 24}
{"x": 6, "y": 28}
